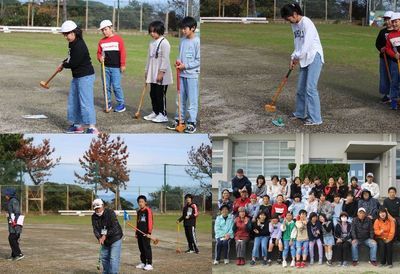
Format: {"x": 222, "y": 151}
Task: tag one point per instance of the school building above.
{"x": 270, "y": 155}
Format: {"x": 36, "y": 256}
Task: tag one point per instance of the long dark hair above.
{"x": 78, "y": 33}
{"x": 260, "y": 177}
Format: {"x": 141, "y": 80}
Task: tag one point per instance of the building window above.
{"x": 398, "y": 164}
{"x": 263, "y": 157}
{"x": 217, "y": 155}
{"x": 324, "y": 161}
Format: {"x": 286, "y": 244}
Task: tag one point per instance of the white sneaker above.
{"x": 160, "y": 119}
{"x": 148, "y": 267}
{"x": 215, "y": 262}
{"x": 150, "y": 117}
{"x": 293, "y": 263}
{"x": 284, "y": 263}
{"x": 140, "y": 266}
{"x": 226, "y": 261}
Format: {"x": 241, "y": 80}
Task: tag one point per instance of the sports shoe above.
{"x": 320, "y": 262}
{"x": 269, "y": 262}
{"x": 75, "y": 129}
{"x": 393, "y": 104}
{"x": 191, "y": 128}
{"x": 279, "y": 261}
{"x": 92, "y": 130}
{"x": 293, "y": 263}
{"x": 298, "y": 264}
{"x": 242, "y": 261}
{"x": 150, "y": 117}
{"x": 160, "y": 119}
{"x": 284, "y": 263}
{"x": 264, "y": 262}
{"x": 390, "y": 266}
{"x": 173, "y": 125}
{"x": 344, "y": 264}
{"x": 252, "y": 262}
{"x": 140, "y": 266}
{"x": 226, "y": 261}
{"x": 215, "y": 262}
{"x": 374, "y": 263}
{"x": 238, "y": 261}
{"x": 19, "y": 257}
{"x": 294, "y": 117}
{"x": 385, "y": 99}
{"x": 120, "y": 108}
{"x": 148, "y": 267}
{"x": 11, "y": 258}
{"x": 355, "y": 263}
{"x": 311, "y": 261}
{"x": 302, "y": 264}
{"x": 311, "y": 123}
{"x": 329, "y": 262}
{"x": 189, "y": 251}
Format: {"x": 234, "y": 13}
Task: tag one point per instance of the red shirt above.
{"x": 240, "y": 203}
{"x": 280, "y": 209}
{"x": 113, "y": 49}
{"x": 393, "y": 43}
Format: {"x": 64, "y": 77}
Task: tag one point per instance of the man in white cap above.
{"x": 362, "y": 232}
{"x": 380, "y": 44}
{"x": 111, "y": 51}
{"x": 371, "y": 186}
{"x": 109, "y": 234}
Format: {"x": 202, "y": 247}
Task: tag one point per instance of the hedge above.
{"x": 324, "y": 171}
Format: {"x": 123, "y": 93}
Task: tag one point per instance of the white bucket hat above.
{"x": 68, "y": 26}
{"x": 97, "y": 203}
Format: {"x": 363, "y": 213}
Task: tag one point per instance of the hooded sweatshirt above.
{"x": 371, "y": 205}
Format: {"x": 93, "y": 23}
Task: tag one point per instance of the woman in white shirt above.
{"x": 309, "y": 54}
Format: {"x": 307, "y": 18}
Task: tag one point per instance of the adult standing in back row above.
{"x": 309, "y": 54}
{"x": 239, "y": 183}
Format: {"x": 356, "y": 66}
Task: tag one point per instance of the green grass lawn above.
{"x": 344, "y": 45}
{"x": 54, "y": 46}
{"x": 162, "y": 222}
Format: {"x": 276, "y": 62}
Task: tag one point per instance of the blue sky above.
{"x": 148, "y": 153}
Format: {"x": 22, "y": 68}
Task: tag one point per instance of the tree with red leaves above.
{"x": 105, "y": 164}
{"x": 37, "y": 160}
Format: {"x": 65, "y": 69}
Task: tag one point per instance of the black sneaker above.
{"x": 191, "y": 128}
{"x": 252, "y": 262}
{"x": 385, "y": 99}
{"x": 264, "y": 262}
{"x": 19, "y": 257}
{"x": 173, "y": 125}
{"x": 11, "y": 258}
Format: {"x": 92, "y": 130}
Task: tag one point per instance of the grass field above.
{"x": 243, "y": 65}
{"x": 161, "y": 221}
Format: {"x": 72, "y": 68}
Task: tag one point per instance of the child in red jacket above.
{"x": 392, "y": 50}
{"x": 144, "y": 223}
{"x": 189, "y": 216}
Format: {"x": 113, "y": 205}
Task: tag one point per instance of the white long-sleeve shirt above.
{"x": 161, "y": 63}
{"x": 373, "y": 188}
{"x": 306, "y": 42}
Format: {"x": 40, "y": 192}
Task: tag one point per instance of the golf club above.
{"x": 137, "y": 114}
{"x": 154, "y": 240}
{"x": 44, "y": 84}
{"x": 271, "y": 107}
{"x": 99, "y": 260}
{"x": 387, "y": 66}
{"x": 103, "y": 70}
{"x": 178, "y": 248}
{"x": 181, "y": 126}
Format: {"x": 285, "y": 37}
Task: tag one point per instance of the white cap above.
{"x": 97, "y": 203}
{"x": 105, "y": 23}
{"x": 388, "y": 14}
{"x": 68, "y": 26}
{"x": 370, "y": 174}
{"x": 361, "y": 209}
{"x": 395, "y": 16}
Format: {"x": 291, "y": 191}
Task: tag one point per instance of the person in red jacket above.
{"x": 241, "y": 229}
{"x": 331, "y": 189}
{"x": 111, "y": 51}
{"x": 392, "y": 50}
{"x": 280, "y": 208}
{"x": 144, "y": 222}
{"x": 242, "y": 201}
{"x": 189, "y": 216}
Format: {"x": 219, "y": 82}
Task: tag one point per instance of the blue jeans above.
{"x": 110, "y": 257}
{"x": 113, "y": 79}
{"x": 81, "y": 101}
{"x": 260, "y": 241}
{"x": 307, "y": 97}
{"x": 222, "y": 245}
{"x": 394, "y": 73}
{"x": 189, "y": 99}
{"x": 302, "y": 247}
{"x": 286, "y": 248}
{"x": 384, "y": 82}
{"x": 372, "y": 249}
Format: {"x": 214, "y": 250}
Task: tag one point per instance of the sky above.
{"x": 147, "y": 155}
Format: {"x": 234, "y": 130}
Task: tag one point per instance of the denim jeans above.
{"x": 81, "y": 101}
{"x": 222, "y": 245}
{"x": 286, "y": 248}
{"x": 384, "y": 82}
{"x": 110, "y": 257}
{"x": 302, "y": 247}
{"x": 189, "y": 99}
{"x": 311, "y": 247}
{"x": 260, "y": 241}
{"x": 372, "y": 249}
{"x": 307, "y": 96}
{"x": 394, "y": 73}
{"x": 113, "y": 79}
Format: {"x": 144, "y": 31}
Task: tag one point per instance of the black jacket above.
{"x": 350, "y": 209}
{"x": 239, "y": 184}
{"x": 263, "y": 229}
{"x": 343, "y": 190}
{"x": 393, "y": 206}
{"x": 318, "y": 190}
{"x": 78, "y": 59}
{"x": 362, "y": 230}
{"x": 339, "y": 234}
{"x": 108, "y": 220}
{"x": 294, "y": 189}
{"x": 314, "y": 231}
{"x": 381, "y": 40}
{"x": 190, "y": 211}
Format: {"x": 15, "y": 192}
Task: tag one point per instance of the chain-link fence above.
{"x": 124, "y": 14}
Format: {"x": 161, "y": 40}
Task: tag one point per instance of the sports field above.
{"x": 28, "y": 58}
{"x": 63, "y": 244}
{"x": 253, "y": 59}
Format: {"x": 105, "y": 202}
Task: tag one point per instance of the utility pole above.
{"x": 118, "y": 17}
{"x": 87, "y": 13}
{"x": 326, "y": 10}
{"x": 274, "y": 10}
{"x": 141, "y": 17}
{"x": 247, "y": 8}
{"x": 166, "y": 21}
{"x": 58, "y": 13}
{"x": 350, "y": 10}
{"x": 165, "y": 188}
{"x": 29, "y": 14}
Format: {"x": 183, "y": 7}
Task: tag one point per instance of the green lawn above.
{"x": 162, "y": 222}
{"x": 344, "y": 45}
{"x": 54, "y": 46}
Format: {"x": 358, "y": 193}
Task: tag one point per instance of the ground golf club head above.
{"x": 180, "y": 128}
{"x": 43, "y": 84}
{"x": 270, "y": 108}
{"x": 137, "y": 115}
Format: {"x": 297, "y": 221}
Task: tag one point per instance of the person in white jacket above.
{"x": 309, "y": 54}
{"x": 371, "y": 186}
